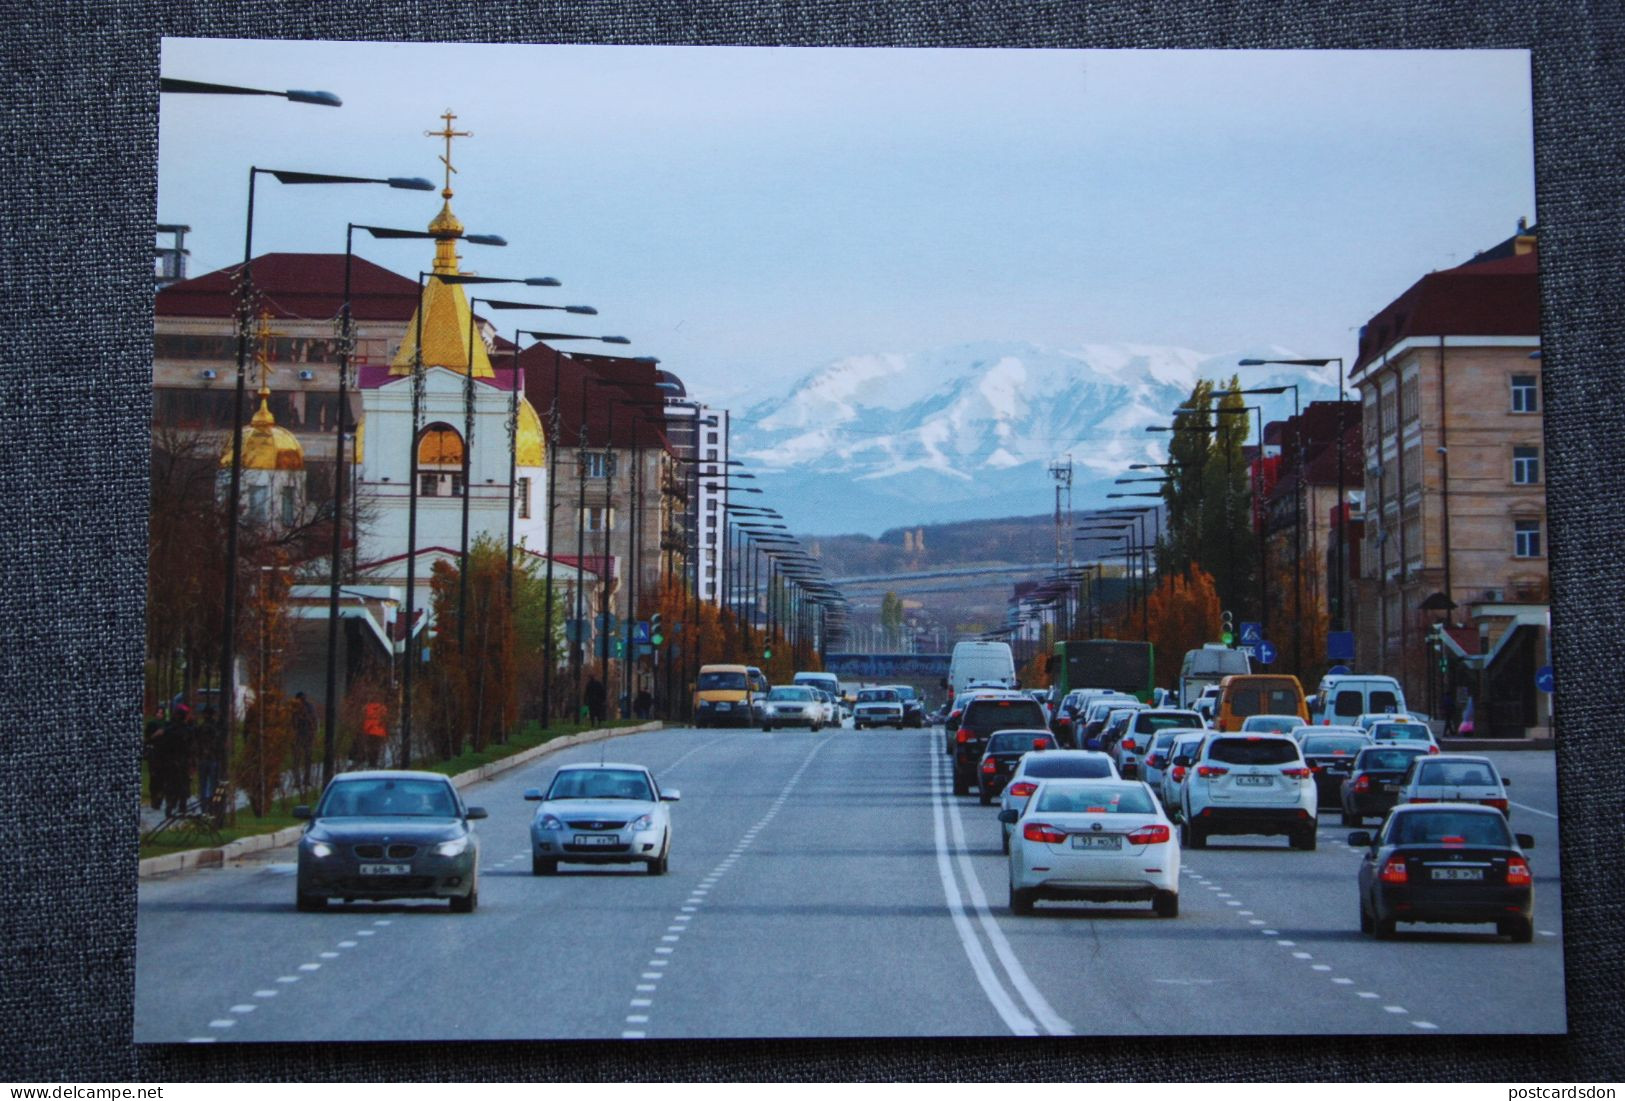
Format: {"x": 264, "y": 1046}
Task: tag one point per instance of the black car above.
{"x": 999, "y": 759}
{"x": 983, "y": 717}
{"x": 1067, "y": 721}
{"x": 1331, "y": 758}
{"x": 913, "y": 706}
{"x": 1372, "y": 787}
{"x": 1450, "y": 863}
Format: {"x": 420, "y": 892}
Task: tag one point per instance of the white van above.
{"x": 982, "y": 662}
{"x": 1207, "y": 666}
{"x": 1344, "y": 697}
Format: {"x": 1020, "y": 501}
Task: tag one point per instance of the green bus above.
{"x": 1118, "y": 664}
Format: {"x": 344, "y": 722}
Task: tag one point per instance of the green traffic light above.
{"x": 767, "y": 655}
{"x": 1227, "y": 638}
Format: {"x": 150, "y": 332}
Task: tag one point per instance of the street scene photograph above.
{"x": 654, "y": 542}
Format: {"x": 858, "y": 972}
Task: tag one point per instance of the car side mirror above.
{"x": 1182, "y": 762}
{"x": 1008, "y": 817}
{"x": 533, "y": 794}
{"x": 302, "y": 811}
{"x": 670, "y": 796}
{"x": 1360, "y": 839}
{"x": 1505, "y": 782}
{"x": 475, "y": 812}
{"x": 1526, "y": 840}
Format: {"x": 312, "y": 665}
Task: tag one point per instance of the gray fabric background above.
{"x": 77, "y": 202}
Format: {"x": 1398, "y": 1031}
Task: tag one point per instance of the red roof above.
{"x": 588, "y": 386}
{"x": 298, "y": 285}
{"x": 1486, "y": 297}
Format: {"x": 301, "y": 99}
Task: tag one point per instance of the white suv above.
{"x": 1249, "y": 783}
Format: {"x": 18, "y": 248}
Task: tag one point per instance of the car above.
{"x": 601, "y": 814}
{"x": 1113, "y": 726}
{"x": 1155, "y": 760}
{"x": 1052, "y": 764}
{"x": 792, "y": 705}
{"x": 1270, "y": 724}
{"x": 951, "y": 724}
{"x": 1372, "y": 786}
{"x": 1185, "y": 746}
{"x": 877, "y": 707}
{"x": 1367, "y": 719}
{"x": 1329, "y": 751}
{"x": 1300, "y": 731}
{"x": 1390, "y": 731}
{"x": 999, "y": 758}
{"x": 1142, "y": 726}
{"x": 1094, "y": 713}
{"x": 1448, "y": 862}
{"x": 386, "y": 835}
{"x": 913, "y": 706}
{"x": 984, "y": 716}
{"x": 1454, "y": 778}
{"x": 1095, "y": 840}
{"x": 1064, "y": 722}
{"x": 1249, "y": 784}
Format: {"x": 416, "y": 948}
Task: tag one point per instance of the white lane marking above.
{"x": 328, "y": 955}
{"x": 1320, "y": 967}
{"x": 1269, "y": 932}
{"x": 1302, "y": 956}
{"x": 674, "y": 928}
{"x": 632, "y": 1035}
{"x": 346, "y": 944}
{"x": 1395, "y": 1009}
{"x": 382, "y": 921}
{"x": 1424, "y": 1024}
{"x": 651, "y": 974}
{"x": 1366, "y": 994}
{"x": 265, "y": 993}
{"x": 645, "y": 988}
{"x": 1244, "y": 913}
{"x": 287, "y": 978}
{"x": 243, "y": 1008}
{"x": 222, "y": 1023}
{"x": 669, "y": 939}
{"x": 365, "y": 933}
{"x": 200, "y": 1039}
{"x": 683, "y": 917}
{"x": 637, "y": 1018}
{"x": 642, "y": 1003}
{"x": 1343, "y": 982}
{"x": 1547, "y": 933}
{"x": 1535, "y": 810}
{"x": 1287, "y": 943}
{"x": 657, "y": 963}
{"x": 1255, "y": 921}
{"x": 1232, "y": 902}
{"x": 310, "y": 967}
{"x": 665, "y": 951}
{"x": 1013, "y": 1018}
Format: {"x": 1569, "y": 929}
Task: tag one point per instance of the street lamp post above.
{"x": 1297, "y": 511}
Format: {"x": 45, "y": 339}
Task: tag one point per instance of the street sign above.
{"x": 640, "y": 631}
{"x": 609, "y": 624}
{"x": 1250, "y": 651}
{"x": 1544, "y": 680}
{"x": 1340, "y": 645}
{"x": 1251, "y": 633}
{"x": 1265, "y": 652}
{"x": 1338, "y": 671}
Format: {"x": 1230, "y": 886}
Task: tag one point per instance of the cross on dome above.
{"x": 448, "y": 133}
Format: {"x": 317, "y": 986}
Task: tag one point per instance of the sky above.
{"x": 749, "y": 215}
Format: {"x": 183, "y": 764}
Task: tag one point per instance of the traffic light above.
{"x": 655, "y": 637}
{"x": 767, "y": 653}
{"x": 1227, "y": 628}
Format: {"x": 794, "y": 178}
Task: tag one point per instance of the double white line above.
{"x": 1033, "y": 1016}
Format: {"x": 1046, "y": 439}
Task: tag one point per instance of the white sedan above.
{"x": 601, "y": 814}
{"x": 1095, "y": 840}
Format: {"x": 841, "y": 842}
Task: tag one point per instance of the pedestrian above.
{"x": 1449, "y": 705}
{"x": 304, "y": 738}
{"x": 596, "y": 698}
{"x": 153, "y": 748}
{"x": 644, "y": 704}
{"x": 210, "y": 744}
{"x": 176, "y": 767}
{"x": 374, "y": 733}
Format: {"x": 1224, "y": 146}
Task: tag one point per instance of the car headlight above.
{"x": 550, "y": 822}
{"x": 452, "y": 848}
{"x": 642, "y": 823}
{"x": 319, "y": 849}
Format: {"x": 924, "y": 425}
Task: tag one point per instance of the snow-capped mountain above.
{"x": 877, "y": 441}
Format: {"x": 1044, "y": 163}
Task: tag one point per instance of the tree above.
{"x": 891, "y": 617}
{"x": 1184, "y": 614}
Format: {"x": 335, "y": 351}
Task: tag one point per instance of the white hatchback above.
{"x": 1094, "y": 840}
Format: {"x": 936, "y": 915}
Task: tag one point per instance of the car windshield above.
{"x": 717, "y": 682}
{"x": 1335, "y": 745}
{"x": 1272, "y": 724}
{"x": 1049, "y": 767}
{"x": 1457, "y": 773}
{"x": 1011, "y": 741}
{"x": 1386, "y": 760}
{"x": 877, "y": 695}
{"x": 376, "y": 798}
{"x": 800, "y": 695}
{"x": 1445, "y": 826}
{"x": 1254, "y": 751}
{"x": 1399, "y": 732}
{"x": 1265, "y": 699}
{"x": 1077, "y": 799}
{"x": 904, "y": 692}
{"x": 985, "y": 716}
{"x": 1145, "y": 723}
{"x": 601, "y": 783}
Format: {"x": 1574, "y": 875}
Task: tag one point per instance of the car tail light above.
{"x": 988, "y": 767}
{"x": 1394, "y": 872}
{"x": 1021, "y": 789}
{"x": 1210, "y": 770}
{"x": 1179, "y": 773}
{"x": 963, "y": 736}
{"x": 1317, "y": 768}
{"x": 1518, "y": 872}
{"x": 1154, "y": 761}
{"x": 1433, "y": 749}
{"x": 1421, "y": 800}
{"x": 1498, "y": 804}
{"x": 1362, "y": 783}
{"x": 1297, "y": 773}
{"x": 1063, "y": 721}
{"x": 1129, "y": 744}
{"x": 1149, "y": 835}
{"x": 1452, "y": 840}
{"x": 1039, "y": 831}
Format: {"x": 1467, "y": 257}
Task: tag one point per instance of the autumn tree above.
{"x": 1184, "y": 614}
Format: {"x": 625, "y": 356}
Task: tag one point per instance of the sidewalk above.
{"x": 215, "y": 857}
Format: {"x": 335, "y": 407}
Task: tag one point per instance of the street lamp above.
{"x": 228, "y": 632}
{"x": 292, "y": 95}
{"x": 1263, "y": 590}
{"x": 1297, "y": 508}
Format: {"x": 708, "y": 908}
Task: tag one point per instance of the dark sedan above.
{"x": 1372, "y": 787}
{"x": 389, "y": 835}
{"x": 1455, "y": 864}
{"x": 1004, "y": 751}
{"x": 1330, "y": 758}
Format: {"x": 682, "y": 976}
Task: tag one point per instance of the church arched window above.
{"x": 440, "y": 462}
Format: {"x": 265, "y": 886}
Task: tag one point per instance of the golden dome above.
{"x": 529, "y": 440}
{"x": 265, "y": 446}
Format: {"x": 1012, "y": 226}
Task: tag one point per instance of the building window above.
{"x": 710, "y": 454}
{"x": 1526, "y": 466}
{"x": 287, "y": 506}
{"x": 437, "y": 484}
{"x": 523, "y": 495}
{"x": 440, "y": 462}
{"x": 256, "y": 503}
{"x": 710, "y": 437}
{"x": 598, "y": 518}
{"x": 597, "y": 463}
{"x": 1525, "y": 394}
{"x": 710, "y": 504}
{"x": 1526, "y": 538}
{"x": 710, "y": 538}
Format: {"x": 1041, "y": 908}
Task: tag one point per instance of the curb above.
{"x": 214, "y": 858}
{"x": 1480, "y": 745}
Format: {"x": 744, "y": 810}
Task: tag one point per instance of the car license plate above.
{"x": 725, "y": 707}
{"x": 1093, "y": 841}
{"x": 1458, "y": 873}
{"x": 386, "y": 869}
{"x": 1253, "y": 781}
{"x": 1390, "y": 787}
{"x": 595, "y": 839}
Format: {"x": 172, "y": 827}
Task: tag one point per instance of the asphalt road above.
{"x": 829, "y": 885}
